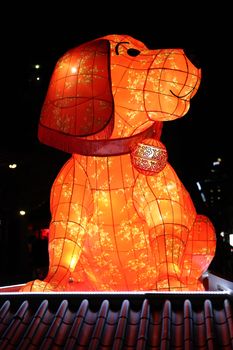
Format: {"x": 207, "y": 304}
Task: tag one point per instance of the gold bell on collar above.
{"x": 149, "y": 157}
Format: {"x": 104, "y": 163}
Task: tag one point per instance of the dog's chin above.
{"x": 178, "y": 112}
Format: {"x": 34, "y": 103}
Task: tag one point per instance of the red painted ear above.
{"x": 79, "y": 100}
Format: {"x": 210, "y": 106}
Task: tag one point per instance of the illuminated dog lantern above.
{"x": 121, "y": 218}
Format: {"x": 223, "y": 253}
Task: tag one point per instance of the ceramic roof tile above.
{"x": 142, "y": 337}
{"x": 132, "y": 328}
{"x": 108, "y": 336}
{"x": 188, "y": 324}
{"x": 41, "y": 329}
{"x": 209, "y": 324}
{"x": 32, "y": 329}
{"x": 78, "y": 321}
{"x": 122, "y": 325}
{"x": 100, "y": 324}
{"x": 4, "y": 315}
{"x": 110, "y": 329}
{"x": 57, "y": 331}
{"x": 17, "y": 326}
{"x": 229, "y": 320}
{"x": 114, "y": 322}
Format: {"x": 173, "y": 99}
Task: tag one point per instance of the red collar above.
{"x": 101, "y": 148}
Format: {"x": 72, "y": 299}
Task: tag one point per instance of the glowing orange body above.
{"x": 113, "y": 227}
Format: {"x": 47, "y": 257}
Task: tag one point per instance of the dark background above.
{"x": 38, "y": 35}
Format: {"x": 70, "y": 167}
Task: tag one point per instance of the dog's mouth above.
{"x": 182, "y": 96}
{"x": 188, "y": 93}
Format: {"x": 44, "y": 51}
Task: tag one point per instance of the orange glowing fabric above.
{"x": 121, "y": 218}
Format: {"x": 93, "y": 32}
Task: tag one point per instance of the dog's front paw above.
{"x": 33, "y": 286}
{"x": 171, "y": 284}
{"x": 41, "y": 286}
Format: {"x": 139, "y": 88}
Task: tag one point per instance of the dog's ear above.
{"x": 79, "y": 100}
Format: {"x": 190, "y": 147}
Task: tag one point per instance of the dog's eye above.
{"x": 133, "y": 52}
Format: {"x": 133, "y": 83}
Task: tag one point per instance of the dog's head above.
{"x": 114, "y": 88}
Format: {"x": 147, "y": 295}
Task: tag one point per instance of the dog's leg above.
{"x": 169, "y": 212}
{"x": 71, "y": 206}
{"x": 168, "y": 243}
{"x": 199, "y": 252}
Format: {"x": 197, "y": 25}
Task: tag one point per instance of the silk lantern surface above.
{"x": 121, "y": 218}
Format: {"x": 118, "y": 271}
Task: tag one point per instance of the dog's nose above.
{"x": 193, "y": 56}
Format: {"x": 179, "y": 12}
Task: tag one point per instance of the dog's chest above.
{"x": 109, "y": 173}
{"x": 117, "y": 237}
{"x": 115, "y": 223}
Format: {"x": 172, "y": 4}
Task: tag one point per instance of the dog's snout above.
{"x": 193, "y": 56}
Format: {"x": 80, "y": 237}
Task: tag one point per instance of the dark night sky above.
{"x": 43, "y": 37}
{"x": 38, "y": 36}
